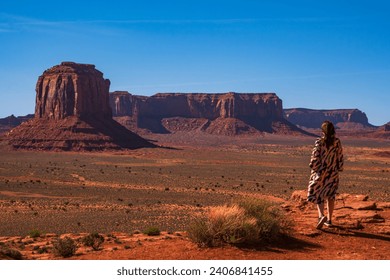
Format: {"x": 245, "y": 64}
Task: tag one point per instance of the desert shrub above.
{"x": 93, "y": 240}
{"x": 65, "y": 247}
{"x": 198, "y": 231}
{"x": 34, "y": 233}
{"x": 271, "y": 223}
{"x": 7, "y": 253}
{"x": 245, "y": 222}
{"x": 42, "y": 250}
{"x": 152, "y": 231}
{"x": 223, "y": 224}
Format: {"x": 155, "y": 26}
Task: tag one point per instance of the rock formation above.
{"x": 342, "y": 118}
{"x": 229, "y": 113}
{"x": 10, "y": 122}
{"x": 386, "y": 127}
{"x": 382, "y": 132}
{"x": 72, "y": 112}
{"x": 72, "y": 89}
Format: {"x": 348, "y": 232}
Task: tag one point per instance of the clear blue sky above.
{"x": 313, "y": 54}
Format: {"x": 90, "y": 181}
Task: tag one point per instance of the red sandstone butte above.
{"x": 72, "y": 112}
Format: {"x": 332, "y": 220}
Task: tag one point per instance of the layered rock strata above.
{"x": 72, "y": 112}
{"x": 343, "y": 118}
{"x": 72, "y": 89}
{"x": 7, "y": 123}
{"x": 225, "y": 113}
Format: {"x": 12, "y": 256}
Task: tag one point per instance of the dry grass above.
{"x": 247, "y": 222}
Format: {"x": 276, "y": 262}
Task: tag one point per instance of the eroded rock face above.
{"x": 225, "y": 113}
{"x": 123, "y": 103}
{"x": 72, "y": 112}
{"x": 198, "y": 105}
{"x": 72, "y": 89}
{"x": 314, "y": 118}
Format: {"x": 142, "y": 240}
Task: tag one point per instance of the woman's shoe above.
{"x": 328, "y": 223}
{"x": 321, "y": 222}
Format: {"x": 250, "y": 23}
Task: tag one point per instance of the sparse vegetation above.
{"x": 34, "y": 233}
{"x": 239, "y": 162}
{"x": 42, "y": 250}
{"x": 9, "y": 253}
{"x": 64, "y": 247}
{"x": 94, "y": 240}
{"x": 152, "y": 231}
{"x": 246, "y": 222}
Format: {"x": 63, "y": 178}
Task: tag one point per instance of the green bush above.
{"x": 93, "y": 240}
{"x": 246, "y": 222}
{"x": 152, "y": 231}
{"x": 65, "y": 247}
{"x": 34, "y": 233}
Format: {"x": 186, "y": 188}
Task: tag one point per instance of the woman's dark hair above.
{"x": 329, "y": 133}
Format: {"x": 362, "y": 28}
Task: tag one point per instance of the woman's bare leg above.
{"x": 321, "y": 217}
{"x": 330, "y": 206}
{"x": 320, "y": 208}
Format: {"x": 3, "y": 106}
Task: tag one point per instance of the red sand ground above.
{"x": 361, "y": 231}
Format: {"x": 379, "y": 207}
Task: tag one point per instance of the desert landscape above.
{"x": 122, "y": 194}
{"x": 71, "y": 171}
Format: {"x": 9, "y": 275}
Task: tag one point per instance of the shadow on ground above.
{"x": 289, "y": 243}
{"x": 344, "y": 231}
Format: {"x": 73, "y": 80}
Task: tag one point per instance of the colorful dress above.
{"x": 325, "y": 164}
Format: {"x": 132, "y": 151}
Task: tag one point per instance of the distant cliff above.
{"x": 350, "y": 119}
{"x": 10, "y": 122}
{"x": 224, "y": 113}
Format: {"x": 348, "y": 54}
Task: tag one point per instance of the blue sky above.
{"x": 312, "y": 54}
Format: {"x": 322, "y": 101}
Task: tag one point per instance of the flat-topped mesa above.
{"x": 217, "y": 113}
{"x": 214, "y": 105}
{"x": 72, "y": 89}
{"x": 198, "y": 105}
{"x": 344, "y": 118}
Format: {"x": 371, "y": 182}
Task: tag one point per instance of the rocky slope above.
{"x": 382, "y": 131}
{"x": 224, "y": 114}
{"x": 10, "y": 122}
{"x": 72, "y": 112}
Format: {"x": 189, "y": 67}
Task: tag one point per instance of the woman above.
{"x": 325, "y": 163}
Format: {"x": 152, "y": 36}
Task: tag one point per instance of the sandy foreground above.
{"x": 361, "y": 232}
{"x": 118, "y": 195}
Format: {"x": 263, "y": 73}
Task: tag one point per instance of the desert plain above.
{"x": 122, "y": 193}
